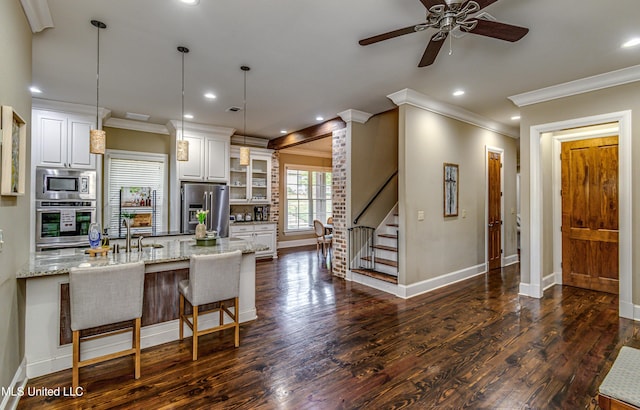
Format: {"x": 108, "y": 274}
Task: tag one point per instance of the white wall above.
{"x": 15, "y": 78}
{"x": 438, "y": 246}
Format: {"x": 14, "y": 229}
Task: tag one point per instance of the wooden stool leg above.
{"x": 236, "y": 318}
{"x": 195, "y": 333}
{"x": 136, "y": 346}
{"x": 76, "y": 358}
{"x": 181, "y": 316}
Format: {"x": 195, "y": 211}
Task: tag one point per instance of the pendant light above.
{"x": 183, "y": 145}
{"x": 244, "y": 150}
{"x": 97, "y": 138}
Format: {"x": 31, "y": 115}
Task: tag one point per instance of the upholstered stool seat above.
{"x": 212, "y": 278}
{"x": 105, "y": 295}
{"x": 620, "y": 389}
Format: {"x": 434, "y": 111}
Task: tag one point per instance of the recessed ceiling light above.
{"x": 458, "y": 93}
{"x": 319, "y": 118}
{"x": 283, "y": 131}
{"x": 210, "y": 96}
{"x": 631, "y": 43}
{"x": 188, "y": 116}
{"x": 515, "y": 117}
{"x": 190, "y": 2}
{"x": 35, "y": 90}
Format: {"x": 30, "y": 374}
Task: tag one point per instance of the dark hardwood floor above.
{"x": 323, "y": 343}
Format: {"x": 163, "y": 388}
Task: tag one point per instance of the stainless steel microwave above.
{"x": 65, "y": 184}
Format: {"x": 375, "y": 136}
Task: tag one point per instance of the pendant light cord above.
{"x": 98, "y": 78}
{"x": 182, "y": 136}
{"x": 244, "y": 109}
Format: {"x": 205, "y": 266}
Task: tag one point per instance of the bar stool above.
{"x": 101, "y": 296}
{"x": 212, "y": 278}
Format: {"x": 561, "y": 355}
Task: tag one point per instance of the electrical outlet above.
{"x": 464, "y": 213}
{"x": 420, "y": 215}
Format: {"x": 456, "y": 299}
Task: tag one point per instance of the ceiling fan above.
{"x": 447, "y": 15}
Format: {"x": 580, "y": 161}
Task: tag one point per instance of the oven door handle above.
{"x": 65, "y": 208}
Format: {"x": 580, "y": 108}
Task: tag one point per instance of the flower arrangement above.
{"x": 202, "y": 215}
{"x": 127, "y": 217}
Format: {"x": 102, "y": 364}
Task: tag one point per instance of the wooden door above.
{"x": 590, "y": 214}
{"x": 495, "y": 216}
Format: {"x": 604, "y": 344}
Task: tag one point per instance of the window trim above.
{"x": 135, "y": 156}
{"x": 298, "y": 167}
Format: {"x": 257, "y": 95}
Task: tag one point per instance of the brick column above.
{"x": 339, "y": 202}
{"x": 274, "y": 211}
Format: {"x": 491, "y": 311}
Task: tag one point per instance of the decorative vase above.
{"x": 201, "y": 231}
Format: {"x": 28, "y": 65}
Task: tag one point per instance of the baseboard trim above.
{"x": 529, "y": 290}
{"x": 152, "y": 335}
{"x": 296, "y": 242}
{"x": 510, "y": 260}
{"x": 441, "y": 281}
{"x": 373, "y": 283}
{"x": 636, "y": 313}
{"x": 549, "y": 280}
{"x": 18, "y": 383}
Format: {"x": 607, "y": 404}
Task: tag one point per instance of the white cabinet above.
{"x": 208, "y": 159}
{"x": 63, "y": 140}
{"x": 257, "y": 233}
{"x": 250, "y": 184}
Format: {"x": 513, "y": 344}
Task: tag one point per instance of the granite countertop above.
{"x": 58, "y": 262}
{"x": 149, "y": 235}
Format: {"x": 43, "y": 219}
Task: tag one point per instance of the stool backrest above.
{"x": 213, "y": 278}
{"x": 103, "y": 295}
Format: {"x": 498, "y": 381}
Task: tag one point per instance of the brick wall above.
{"x": 339, "y": 201}
{"x": 274, "y": 211}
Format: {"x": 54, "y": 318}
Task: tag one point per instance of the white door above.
{"x": 194, "y": 168}
{"x": 217, "y": 157}
{"x": 79, "y": 155}
{"x": 52, "y": 134}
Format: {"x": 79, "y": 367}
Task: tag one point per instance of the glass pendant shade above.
{"x": 97, "y": 141}
{"x": 244, "y": 156}
{"x": 183, "y": 150}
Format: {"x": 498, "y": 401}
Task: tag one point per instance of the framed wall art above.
{"x": 450, "y": 185}
{"x": 14, "y": 140}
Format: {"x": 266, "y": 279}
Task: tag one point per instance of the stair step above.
{"x": 382, "y": 261}
{"x": 377, "y": 275}
{"x": 394, "y": 225}
{"x": 385, "y": 248}
{"x": 388, "y": 235}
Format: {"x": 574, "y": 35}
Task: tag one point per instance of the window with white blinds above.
{"x": 136, "y": 169}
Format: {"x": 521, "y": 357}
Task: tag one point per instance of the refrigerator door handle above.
{"x": 211, "y": 211}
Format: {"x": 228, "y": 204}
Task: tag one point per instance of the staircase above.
{"x": 377, "y": 255}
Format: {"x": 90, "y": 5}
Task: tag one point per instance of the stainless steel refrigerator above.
{"x": 211, "y": 197}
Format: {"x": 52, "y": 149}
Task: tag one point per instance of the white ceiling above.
{"x": 305, "y": 59}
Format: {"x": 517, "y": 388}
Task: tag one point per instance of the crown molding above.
{"x": 38, "y": 14}
{"x": 416, "y": 99}
{"x": 136, "y": 126}
{"x": 174, "y": 126}
{"x": 583, "y": 85}
{"x": 355, "y": 116}
{"x": 51, "y": 105}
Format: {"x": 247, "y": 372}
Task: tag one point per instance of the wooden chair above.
{"x": 212, "y": 278}
{"x": 321, "y": 237}
{"x": 101, "y": 296}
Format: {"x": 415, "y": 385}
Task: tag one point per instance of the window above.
{"x": 135, "y": 169}
{"x": 308, "y": 196}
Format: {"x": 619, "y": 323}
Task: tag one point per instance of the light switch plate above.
{"x": 420, "y": 215}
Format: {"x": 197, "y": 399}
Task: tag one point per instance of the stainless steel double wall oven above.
{"x": 65, "y": 207}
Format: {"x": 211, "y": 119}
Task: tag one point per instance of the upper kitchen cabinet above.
{"x": 250, "y": 184}
{"x": 62, "y": 139}
{"x": 208, "y": 152}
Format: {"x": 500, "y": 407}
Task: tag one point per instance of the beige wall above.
{"x": 439, "y": 245}
{"x": 15, "y": 78}
{"x": 374, "y": 157}
{"x": 289, "y": 159}
{"x": 613, "y": 99}
{"x": 128, "y": 140}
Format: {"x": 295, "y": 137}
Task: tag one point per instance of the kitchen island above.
{"x": 47, "y": 320}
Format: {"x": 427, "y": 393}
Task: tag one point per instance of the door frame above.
{"x": 539, "y": 281}
{"x": 500, "y": 151}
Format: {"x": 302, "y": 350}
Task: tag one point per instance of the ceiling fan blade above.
{"x": 387, "y": 36}
{"x": 430, "y": 3}
{"x": 501, "y": 31}
{"x": 432, "y": 50}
